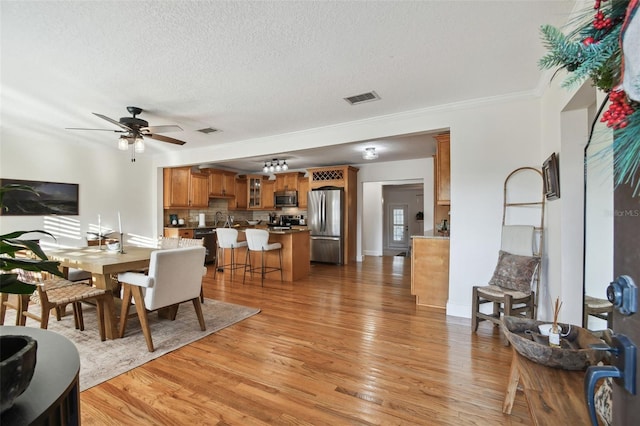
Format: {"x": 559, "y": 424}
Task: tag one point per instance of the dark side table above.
{"x": 53, "y": 396}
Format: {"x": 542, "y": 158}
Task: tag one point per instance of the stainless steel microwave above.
{"x": 286, "y": 198}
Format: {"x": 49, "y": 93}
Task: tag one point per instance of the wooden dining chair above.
{"x": 53, "y": 293}
{"x": 175, "y": 276}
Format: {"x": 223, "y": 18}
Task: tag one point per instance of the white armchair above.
{"x": 175, "y": 276}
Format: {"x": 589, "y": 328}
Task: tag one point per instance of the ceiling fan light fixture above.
{"x": 370, "y": 153}
{"x": 123, "y": 143}
{"x": 139, "y": 145}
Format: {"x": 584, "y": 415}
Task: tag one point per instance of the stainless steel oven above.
{"x": 286, "y": 198}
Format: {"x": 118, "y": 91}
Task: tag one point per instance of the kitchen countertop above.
{"x": 433, "y": 237}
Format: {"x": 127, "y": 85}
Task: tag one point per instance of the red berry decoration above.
{"x": 587, "y": 41}
{"x": 619, "y": 110}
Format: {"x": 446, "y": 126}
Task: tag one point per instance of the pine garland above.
{"x": 593, "y": 50}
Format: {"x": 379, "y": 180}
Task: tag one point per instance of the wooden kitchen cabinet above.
{"x": 178, "y": 232}
{"x": 199, "y": 190}
{"x": 268, "y": 201}
{"x": 241, "y": 200}
{"x": 430, "y": 271}
{"x": 303, "y": 189}
{"x": 222, "y": 183}
{"x": 183, "y": 188}
{"x": 254, "y": 184}
{"x": 443, "y": 169}
{"x": 287, "y": 181}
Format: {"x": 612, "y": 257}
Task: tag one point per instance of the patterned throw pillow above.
{"x": 515, "y": 272}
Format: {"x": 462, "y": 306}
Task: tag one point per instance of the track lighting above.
{"x": 275, "y": 166}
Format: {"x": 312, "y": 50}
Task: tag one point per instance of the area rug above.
{"x": 101, "y": 361}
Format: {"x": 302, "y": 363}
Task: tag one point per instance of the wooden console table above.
{"x": 554, "y": 396}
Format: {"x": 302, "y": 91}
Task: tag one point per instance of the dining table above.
{"x": 102, "y": 264}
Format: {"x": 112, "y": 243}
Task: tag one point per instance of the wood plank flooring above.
{"x": 347, "y": 346}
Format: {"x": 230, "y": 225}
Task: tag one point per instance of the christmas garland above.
{"x": 593, "y": 49}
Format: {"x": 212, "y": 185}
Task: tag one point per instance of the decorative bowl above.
{"x": 17, "y": 365}
{"x": 253, "y": 222}
{"x": 113, "y": 245}
{"x": 574, "y": 352}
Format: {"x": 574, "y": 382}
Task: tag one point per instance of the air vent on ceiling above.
{"x": 363, "y": 97}
{"x": 208, "y": 130}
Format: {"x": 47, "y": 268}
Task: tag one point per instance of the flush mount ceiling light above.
{"x": 369, "y": 154}
{"x": 275, "y": 166}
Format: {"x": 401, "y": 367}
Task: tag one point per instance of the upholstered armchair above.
{"x": 175, "y": 276}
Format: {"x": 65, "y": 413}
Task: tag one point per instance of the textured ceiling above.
{"x": 254, "y": 69}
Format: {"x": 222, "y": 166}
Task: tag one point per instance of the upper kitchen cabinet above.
{"x": 241, "y": 201}
{"x": 253, "y": 193}
{"x": 303, "y": 189}
{"x": 443, "y": 169}
{"x": 268, "y": 189}
{"x": 222, "y": 183}
{"x": 287, "y": 181}
{"x": 183, "y": 188}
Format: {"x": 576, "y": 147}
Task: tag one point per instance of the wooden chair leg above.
{"x": 100, "y": 317}
{"x": 77, "y": 315}
{"x": 44, "y": 318}
{"x": 281, "y": 275}
{"x": 198, "y": 308}
{"x": 23, "y": 306}
{"x": 136, "y": 291}
{"x": 124, "y": 310}
{"x": 4, "y": 298}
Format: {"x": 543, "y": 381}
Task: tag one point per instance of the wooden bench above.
{"x": 554, "y": 396}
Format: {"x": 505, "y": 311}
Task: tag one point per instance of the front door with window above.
{"x": 398, "y": 226}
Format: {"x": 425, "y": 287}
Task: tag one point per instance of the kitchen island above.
{"x": 430, "y": 270}
{"x": 295, "y": 254}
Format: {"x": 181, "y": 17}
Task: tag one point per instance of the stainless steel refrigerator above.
{"x": 325, "y": 222}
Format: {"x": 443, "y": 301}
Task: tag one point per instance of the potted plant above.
{"x": 18, "y": 353}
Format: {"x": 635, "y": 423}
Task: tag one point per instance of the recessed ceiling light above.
{"x": 370, "y": 154}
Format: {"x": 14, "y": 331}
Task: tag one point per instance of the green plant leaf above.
{"x": 9, "y": 283}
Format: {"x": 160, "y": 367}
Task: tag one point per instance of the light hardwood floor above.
{"x": 348, "y": 346}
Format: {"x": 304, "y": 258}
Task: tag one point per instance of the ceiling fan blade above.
{"x": 162, "y": 129}
{"x": 102, "y": 130}
{"x": 111, "y": 120}
{"x": 164, "y": 139}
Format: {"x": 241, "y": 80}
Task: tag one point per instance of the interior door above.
{"x": 398, "y": 226}
{"x": 626, "y": 255}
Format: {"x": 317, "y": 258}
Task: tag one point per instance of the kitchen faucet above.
{"x": 217, "y": 217}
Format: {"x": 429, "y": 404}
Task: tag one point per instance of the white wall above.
{"x": 108, "y": 183}
{"x": 372, "y": 221}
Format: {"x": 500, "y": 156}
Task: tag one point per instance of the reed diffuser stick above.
{"x": 556, "y": 311}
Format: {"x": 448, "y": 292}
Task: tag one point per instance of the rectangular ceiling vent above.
{"x": 364, "y": 97}
{"x": 208, "y": 130}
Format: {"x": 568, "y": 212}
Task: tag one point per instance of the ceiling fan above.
{"x": 135, "y": 129}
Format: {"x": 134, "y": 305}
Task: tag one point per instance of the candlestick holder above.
{"x": 121, "y": 243}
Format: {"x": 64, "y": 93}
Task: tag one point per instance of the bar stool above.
{"x": 227, "y": 239}
{"x": 258, "y": 240}
{"x": 599, "y": 308}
